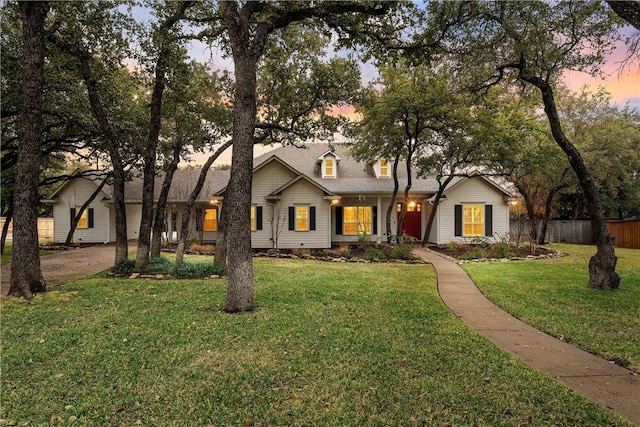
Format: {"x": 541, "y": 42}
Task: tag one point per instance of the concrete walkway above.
{"x": 597, "y": 379}
{"x": 66, "y": 266}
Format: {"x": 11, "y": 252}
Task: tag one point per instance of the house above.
{"x": 312, "y": 197}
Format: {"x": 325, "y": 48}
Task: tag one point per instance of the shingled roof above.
{"x": 352, "y": 177}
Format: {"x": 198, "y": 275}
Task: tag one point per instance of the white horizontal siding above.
{"x": 74, "y": 195}
{"x": 471, "y": 191}
{"x": 305, "y": 193}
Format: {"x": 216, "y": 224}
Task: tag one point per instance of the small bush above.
{"x": 373, "y": 254}
{"x": 198, "y": 270}
{"x": 364, "y": 239}
{"x": 347, "y": 255}
{"x": 502, "y": 250}
{"x": 449, "y": 247}
{"x": 125, "y": 267}
{"x": 401, "y": 251}
{"x": 475, "y": 253}
{"x": 159, "y": 265}
{"x": 301, "y": 251}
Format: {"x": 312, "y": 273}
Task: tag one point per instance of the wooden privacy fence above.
{"x": 626, "y": 232}
{"x": 45, "y": 228}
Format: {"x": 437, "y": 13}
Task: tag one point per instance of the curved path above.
{"x": 597, "y": 379}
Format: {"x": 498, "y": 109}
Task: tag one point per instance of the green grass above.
{"x": 328, "y": 345}
{"x": 552, "y": 295}
{"x": 6, "y": 256}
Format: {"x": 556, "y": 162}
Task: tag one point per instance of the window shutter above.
{"x": 90, "y": 215}
{"x": 258, "y": 217}
{"x": 312, "y": 218}
{"x": 488, "y": 220}
{"x": 292, "y": 218}
{"x": 339, "y": 219}
{"x": 72, "y": 214}
{"x": 374, "y": 219}
{"x": 457, "y": 210}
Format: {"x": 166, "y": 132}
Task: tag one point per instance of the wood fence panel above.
{"x": 626, "y": 232}
{"x": 45, "y": 228}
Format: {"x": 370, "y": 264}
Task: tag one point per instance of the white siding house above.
{"x": 312, "y": 197}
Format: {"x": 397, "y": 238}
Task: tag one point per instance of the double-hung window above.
{"x": 302, "y": 218}
{"x": 473, "y": 220}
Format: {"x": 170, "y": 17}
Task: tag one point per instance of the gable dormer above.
{"x": 381, "y": 168}
{"x": 328, "y": 164}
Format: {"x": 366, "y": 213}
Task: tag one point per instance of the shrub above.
{"x": 475, "y": 253}
{"x": 159, "y": 265}
{"x": 502, "y": 250}
{"x": 449, "y": 247}
{"x": 198, "y": 270}
{"x": 373, "y": 253}
{"x": 364, "y": 239}
{"x": 124, "y": 267}
{"x": 401, "y": 251}
{"x": 347, "y": 255}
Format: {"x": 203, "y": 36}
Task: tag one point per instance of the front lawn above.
{"x": 552, "y": 295}
{"x": 328, "y": 344}
{"x": 6, "y": 255}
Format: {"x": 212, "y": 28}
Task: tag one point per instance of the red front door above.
{"x": 412, "y": 224}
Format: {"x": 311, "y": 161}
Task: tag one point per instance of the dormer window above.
{"x": 381, "y": 168}
{"x": 329, "y": 167}
{"x": 384, "y": 167}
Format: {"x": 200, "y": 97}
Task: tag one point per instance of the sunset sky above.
{"x": 622, "y": 83}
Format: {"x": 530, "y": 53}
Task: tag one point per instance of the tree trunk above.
{"x": 161, "y": 206}
{"x": 76, "y": 218}
{"x": 186, "y": 215}
{"x": 26, "y": 276}
{"x": 220, "y": 257}
{"x": 403, "y": 211}
{"x": 155, "y": 116}
{"x": 394, "y": 194}
{"x": 602, "y": 265}
{"x": 434, "y": 209}
{"x": 238, "y": 200}
{"x": 5, "y": 228}
{"x": 547, "y": 214}
{"x": 117, "y": 164}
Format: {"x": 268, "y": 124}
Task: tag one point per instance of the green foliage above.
{"x": 364, "y": 239}
{"x": 477, "y": 252}
{"x": 502, "y": 250}
{"x": 196, "y": 270}
{"x": 125, "y": 267}
{"x": 372, "y": 253}
{"x": 449, "y": 247}
{"x": 401, "y": 251}
{"x": 163, "y": 265}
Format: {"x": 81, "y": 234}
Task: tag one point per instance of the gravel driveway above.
{"x": 66, "y": 266}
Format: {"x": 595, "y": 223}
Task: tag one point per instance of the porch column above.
{"x": 379, "y": 219}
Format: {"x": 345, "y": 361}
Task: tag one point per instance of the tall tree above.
{"x": 248, "y": 26}
{"x": 92, "y": 36}
{"x": 26, "y": 276}
{"x": 165, "y": 46}
{"x": 406, "y": 118}
{"x": 533, "y": 43}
